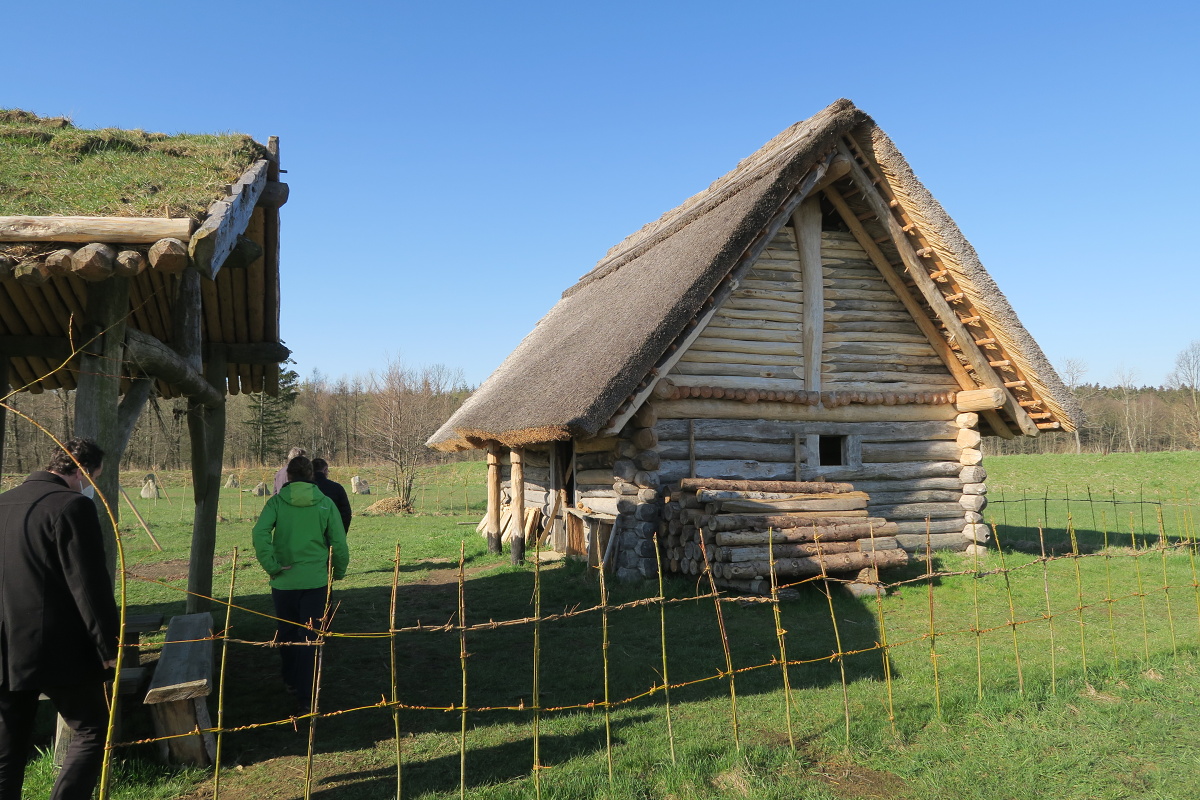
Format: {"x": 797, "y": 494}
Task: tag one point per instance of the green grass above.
{"x": 1119, "y": 725}
{"x": 48, "y": 166}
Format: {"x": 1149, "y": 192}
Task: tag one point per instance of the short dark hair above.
{"x": 79, "y": 449}
{"x": 299, "y": 469}
{"x": 320, "y": 466}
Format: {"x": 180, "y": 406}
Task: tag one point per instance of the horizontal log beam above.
{"x": 85, "y": 230}
{"x": 250, "y": 352}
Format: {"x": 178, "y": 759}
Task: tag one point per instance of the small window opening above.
{"x": 832, "y": 451}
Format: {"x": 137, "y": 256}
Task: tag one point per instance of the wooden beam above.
{"x": 85, "y": 230}
{"x": 227, "y": 219}
{"x": 206, "y": 429}
{"x": 933, "y": 296}
{"x": 156, "y": 359}
{"x": 516, "y": 540}
{"x": 807, "y": 227}
{"x": 731, "y": 283}
{"x": 979, "y": 400}
{"x": 250, "y": 352}
{"x": 493, "y": 497}
{"x": 54, "y": 348}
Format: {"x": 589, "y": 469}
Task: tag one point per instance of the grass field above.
{"x": 1031, "y": 685}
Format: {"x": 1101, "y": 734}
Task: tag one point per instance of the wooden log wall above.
{"x": 921, "y": 475}
{"x": 754, "y": 338}
{"x": 871, "y": 341}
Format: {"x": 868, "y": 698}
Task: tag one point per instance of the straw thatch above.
{"x": 590, "y": 352}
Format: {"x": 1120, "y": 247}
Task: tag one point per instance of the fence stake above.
{"x": 537, "y": 666}
{"x": 883, "y": 646}
{"x": 780, "y": 635}
{"x": 462, "y": 661}
{"x": 837, "y": 639}
{"x": 662, "y": 624}
{"x": 392, "y": 665}
{"x": 1012, "y": 612}
{"x": 1049, "y": 613}
{"x": 604, "y": 656}
{"x": 1141, "y": 592}
{"x": 315, "y": 697}
{"x": 1190, "y": 544}
{"x": 1162, "y": 550}
{"x": 1108, "y": 595}
{"x": 933, "y": 656}
{"x": 1078, "y": 596}
{"x": 221, "y": 678}
{"x": 712, "y": 584}
{"x": 975, "y": 629}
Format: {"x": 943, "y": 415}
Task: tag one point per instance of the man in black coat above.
{"x": 331, "y": 489}
{"x": 58, "y": 621}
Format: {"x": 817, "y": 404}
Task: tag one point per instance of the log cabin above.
{"x": 131, "y": 263}
{"x": 813, "y": 316}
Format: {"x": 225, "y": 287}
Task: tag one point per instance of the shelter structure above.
{"x": 814, "y": 315}
{"x": 133, "y": 262}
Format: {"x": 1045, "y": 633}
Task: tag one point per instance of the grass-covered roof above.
{"x": 50, "y": 167}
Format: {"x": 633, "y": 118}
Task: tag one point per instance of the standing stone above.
{"x": 233, "y": 482}
{"x": 260, "y": 490}
{"x": 149, "y": 487}
{"x": 359, "y": 485}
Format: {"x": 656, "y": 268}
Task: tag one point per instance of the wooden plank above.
{"x": 671, "y": 430}
{"x": 696, "y": 408}
{"x": 256, "y": 280}
{"x": 227, "y": 219}
{"x": 807, "y": 228}
{"x": 184, "y": 668}
{"x": 85, "y": 230}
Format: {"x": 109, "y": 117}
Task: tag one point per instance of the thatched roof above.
{"x": 587, "y": 356}
{"x": 50, "y": 167}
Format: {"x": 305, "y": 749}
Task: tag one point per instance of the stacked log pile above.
{"x": 811, "y": 527}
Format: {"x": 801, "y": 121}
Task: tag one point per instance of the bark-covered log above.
{"x": 916, "y": 542}
{"x": 169, "y": 256}
{"x": 797, "y": 487}
{"x": 800, "y": 522}
{"x": 129, "y": 263}
{"x": 843, "y": 533}
{"x": 93, "y": 262}
{"x": 919, "y": 526}
{"x": 835, "y": 505}
{"x": 833, "y": 563}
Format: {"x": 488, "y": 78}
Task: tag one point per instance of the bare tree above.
{"x": 406, "y": 406}
{"x": 1186, "y": 378}
{"x": 1124, "y": 379}
{"x": 1073, "y": 371}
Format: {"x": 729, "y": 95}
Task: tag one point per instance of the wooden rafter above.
{"x": 962, "y": 339}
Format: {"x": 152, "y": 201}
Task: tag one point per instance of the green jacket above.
{"x": 296, "y": 529}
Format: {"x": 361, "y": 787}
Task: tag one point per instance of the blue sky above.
{"x": 455, "y": 166}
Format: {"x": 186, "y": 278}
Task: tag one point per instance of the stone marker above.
{"x": 149, "y": 487}
{"x": 359, "y": 485}
{"x": 233, "y": 482}
{"x": 261, "y": 490}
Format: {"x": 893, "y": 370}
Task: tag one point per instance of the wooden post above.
{"x": 206, "y": 429}
{"x": 807, "y": 226}
{"x": 516, "y": 541}
{"x": 493, "y": 497}
{"x": 3, "y": 411}
{"x": 98, "y": 389}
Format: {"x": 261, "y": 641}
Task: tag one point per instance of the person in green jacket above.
{"x": 293, "y": 540}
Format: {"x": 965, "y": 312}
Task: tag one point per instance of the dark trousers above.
{"x": 84, "y": 708}
{"x": 298, "y": 607}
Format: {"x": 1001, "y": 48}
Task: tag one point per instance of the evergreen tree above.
{"x": 269, "y": 419}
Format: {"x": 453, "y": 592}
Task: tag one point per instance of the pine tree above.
{"x": 269, "y": 419}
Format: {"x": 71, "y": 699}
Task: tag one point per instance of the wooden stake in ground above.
{"x": 224, "y": 662}
{"x": 1012, "y": 613}
{"x": 145, "y": 527}
{"x": 662, "y": 624}
{"x": 537, "y": 668}
{"x": 933, "y": 655}
{"x": 604, "y": 657}
{"x": 392, "y": 664}
{"x": 780, "y": 636}
{"x": 1049, "y": 612}
{"x": 462, "y": 661}
{"x": 712, "y": 584}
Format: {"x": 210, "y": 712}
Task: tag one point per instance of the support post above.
{"x": 807, "y": 226}
{"x": 516, "y": 542}
{"x": 98, "y": 389}
{"x": 206, "y": 428}
{"x": 3, "y": 411}
{"x": 493, "y": 498}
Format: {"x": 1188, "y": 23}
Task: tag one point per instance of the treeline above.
{"x": 382, "y": 418}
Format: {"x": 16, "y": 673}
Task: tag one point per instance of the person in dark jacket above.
{"x": 59, "y": 623}
{"x": 331, "y": 489}
{"x": 296, "y": 535}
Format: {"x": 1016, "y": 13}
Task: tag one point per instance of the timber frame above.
{"x": 115, "y": 307}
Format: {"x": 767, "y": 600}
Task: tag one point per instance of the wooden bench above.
{"x": 177, "y": 698}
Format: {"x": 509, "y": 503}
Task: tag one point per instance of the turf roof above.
{"x": 50, "y": 167}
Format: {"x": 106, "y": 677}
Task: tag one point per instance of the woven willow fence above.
{"x": 1143, "y": 553}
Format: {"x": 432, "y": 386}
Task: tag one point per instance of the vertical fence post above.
{"x": 837, "y": 639}
{"x": 462, "y": 662}
{"x": 716, "y": 596}
{"x": 1012, "y": 612}
{"x": 780, "y": 635}
{"x": 395, "y": 696}
{"x": 1162, "y": 552}
{"x": 221, "y": 677}
{"x": 662, "y": 625}
{"x": 933, "y": 654}
{"x": 1049, "y": 611}
{"x": 975, "y": 628}
{"x": 1108, "y": 594}
{"x": 537, "y": 666}
{"x": 1141, "y": 592}
{"x": 1078, "y": 596}
{"x": 604, "y": 656}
